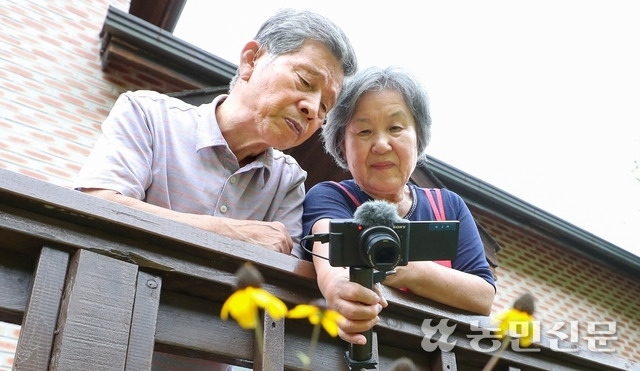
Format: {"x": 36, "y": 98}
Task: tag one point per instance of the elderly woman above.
{"x": 379, "y": 130}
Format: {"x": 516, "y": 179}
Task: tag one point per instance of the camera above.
{"x": 383, "y": 248}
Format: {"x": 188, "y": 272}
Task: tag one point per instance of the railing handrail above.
{"x": 60, "y": 217}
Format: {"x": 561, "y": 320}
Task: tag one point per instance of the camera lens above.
{"x": 380, "y": 247}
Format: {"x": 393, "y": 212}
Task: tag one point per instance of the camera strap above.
{"x": 351, "y": 196}
{"x": 437, "y": 205}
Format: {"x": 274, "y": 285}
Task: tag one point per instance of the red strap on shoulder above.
{"x": 438, "y": 210}
{"x": 351, "y": 196}
{"x": 437, "y": 207}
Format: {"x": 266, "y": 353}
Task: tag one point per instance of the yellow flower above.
{"x": 517, "y": 322}
{"x": 243, "y": 304}
{"x": 318, "y": 314}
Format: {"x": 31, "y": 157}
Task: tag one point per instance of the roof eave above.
{"x": 481, "y": 195}
{"x": 160, "y": 45}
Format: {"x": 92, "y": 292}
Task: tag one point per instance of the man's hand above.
{"x": 271, "y": 235}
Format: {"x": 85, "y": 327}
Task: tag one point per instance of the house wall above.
{"x": 54, "y": 95}
{"x": 568, "y": 287}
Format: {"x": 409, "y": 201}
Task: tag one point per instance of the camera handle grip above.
{"x": 379, "y": 276}
{"x": 361, "y": 356}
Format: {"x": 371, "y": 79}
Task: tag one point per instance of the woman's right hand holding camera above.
{"x": 358, "y": 305}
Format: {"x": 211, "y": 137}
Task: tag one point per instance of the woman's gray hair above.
{"x": 288, "y": 29}
{"x": 376, "y": 79}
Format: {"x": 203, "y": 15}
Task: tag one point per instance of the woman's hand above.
{"x": 359, "y": 305}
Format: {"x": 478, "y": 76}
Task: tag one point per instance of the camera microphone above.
{"x": 376, "y": 213}
{"x": 379, "y": 243}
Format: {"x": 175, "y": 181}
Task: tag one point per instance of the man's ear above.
{"x": 248, "y": 57}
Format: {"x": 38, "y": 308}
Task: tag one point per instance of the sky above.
{"x": 540, "y": 99}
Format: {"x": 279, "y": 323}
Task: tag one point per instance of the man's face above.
{"x": 293, "y": 92}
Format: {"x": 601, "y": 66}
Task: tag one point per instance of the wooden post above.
{"x": 41, "y": 314}
{"x": 143, "y": 323}
{"x": 272, "y": 356}
{"x": 445, "y": 361}
{"x": 95, "y": 316}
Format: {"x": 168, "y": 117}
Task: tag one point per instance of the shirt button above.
{"x": 233, "y": 180}
{"x": 223, "y": 209}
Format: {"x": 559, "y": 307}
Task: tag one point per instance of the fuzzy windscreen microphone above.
{"x": 376, "y": 213}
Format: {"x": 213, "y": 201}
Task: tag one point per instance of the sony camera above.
{"x": 383, "y": 248}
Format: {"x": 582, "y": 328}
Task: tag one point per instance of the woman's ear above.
{"x": 248, "y": 57}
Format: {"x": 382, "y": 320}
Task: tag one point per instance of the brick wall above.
{"x": 8, "y": 342}
{"x": 54, "y": 95}
{"x": 567, "y": 287}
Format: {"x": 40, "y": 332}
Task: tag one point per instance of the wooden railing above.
{"x": 99, "y": 286}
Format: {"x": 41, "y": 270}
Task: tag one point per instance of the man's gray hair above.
{"x": 288, "y": 29}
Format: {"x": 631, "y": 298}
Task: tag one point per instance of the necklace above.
{"x": 414, "y": 199}
{"x": 414, "y": 203}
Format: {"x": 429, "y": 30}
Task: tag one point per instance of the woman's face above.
{"x": 381, "y": 143}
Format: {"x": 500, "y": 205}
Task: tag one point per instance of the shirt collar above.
{"x": 209, "y": 135}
